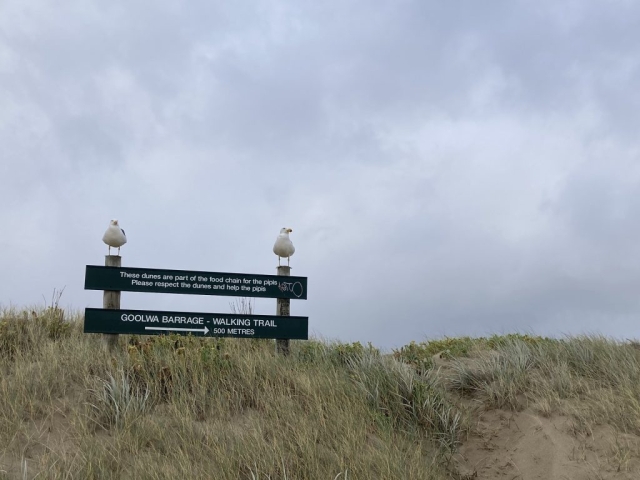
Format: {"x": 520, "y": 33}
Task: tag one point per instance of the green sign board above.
{"x": 194, "y": 283}
{"x": 146, "y": 322}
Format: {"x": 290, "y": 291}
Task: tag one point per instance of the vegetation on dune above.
{"x": 593, "y": 379}
{"x": 186, "y": 407}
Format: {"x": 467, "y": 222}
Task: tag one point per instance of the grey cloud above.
{"x": 447, "y": 168}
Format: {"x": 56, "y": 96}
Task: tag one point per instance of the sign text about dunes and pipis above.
{"x": 194, "y": 282}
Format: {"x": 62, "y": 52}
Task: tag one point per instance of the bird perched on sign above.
{"x": 114, "y": 236}
{"x": 283, "y": 246}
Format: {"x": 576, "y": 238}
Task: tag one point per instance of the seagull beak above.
{"x": 289, "y": 230}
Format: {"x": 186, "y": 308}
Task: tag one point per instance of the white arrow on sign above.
{"x": 204, "y": 330}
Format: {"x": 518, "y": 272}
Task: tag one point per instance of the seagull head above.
{"x": 285, "y": 231}
{"x": 114, "y": 222}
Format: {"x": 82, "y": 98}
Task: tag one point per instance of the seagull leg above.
{"x": 288, "y": 258}
{"x": 118, "y": 251}
{"x": 109, "y": 250}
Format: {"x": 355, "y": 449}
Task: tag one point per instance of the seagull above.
{"x": 114, "y": 236}
{"x": 283, "y": 246}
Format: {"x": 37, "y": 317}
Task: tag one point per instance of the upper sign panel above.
{"x": 194, "y": 283}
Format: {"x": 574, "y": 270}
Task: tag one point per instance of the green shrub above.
{"x": 343, "y": 353}
{"x": 337, "y": 353}
{"x": 417, "y": 355}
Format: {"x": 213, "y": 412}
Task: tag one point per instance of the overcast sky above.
{"x": 448, "y": 168}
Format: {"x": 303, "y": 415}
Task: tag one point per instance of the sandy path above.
{"x": 526, "y": 446}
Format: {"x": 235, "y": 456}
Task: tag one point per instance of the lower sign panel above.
{"x": 146, "y": 322}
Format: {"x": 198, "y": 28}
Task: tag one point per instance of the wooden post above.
{"x": 283, "y": 308}
{"x": 111, "y": 300}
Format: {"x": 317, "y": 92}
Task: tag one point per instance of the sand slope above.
{"x": 526, "y": 446}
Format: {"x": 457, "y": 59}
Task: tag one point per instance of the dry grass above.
{"x": 184, "y": 407}
{"x": 594, "y": 379}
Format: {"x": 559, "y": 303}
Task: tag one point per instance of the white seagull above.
{"x": 114, "y": 236}
{"x": 283, "y": 246}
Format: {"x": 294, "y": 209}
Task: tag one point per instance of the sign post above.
{"x": 111, "y": 300}
{"x": 283, "y": 308}
{"x": 113, "y": 279}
